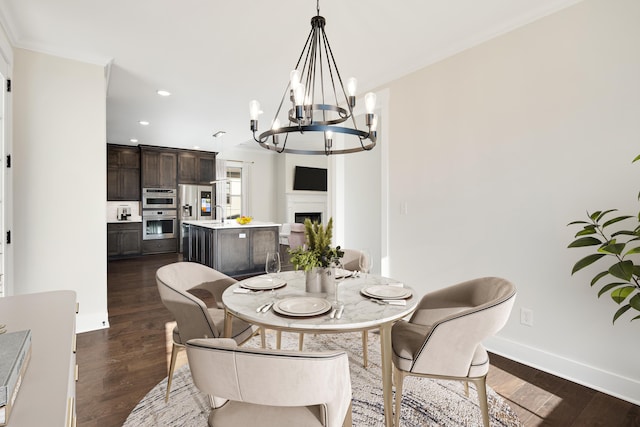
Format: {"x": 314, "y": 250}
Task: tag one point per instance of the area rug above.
{"x": 425, "y": 402}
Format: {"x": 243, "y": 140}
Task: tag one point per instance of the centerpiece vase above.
{"x": 319, "y": 280}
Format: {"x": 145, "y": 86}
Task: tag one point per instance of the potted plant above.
{"x": 622, "y": 276}
{"x": 316, "y": 255}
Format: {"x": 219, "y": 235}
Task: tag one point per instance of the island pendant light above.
{"x": 318, "y": 110}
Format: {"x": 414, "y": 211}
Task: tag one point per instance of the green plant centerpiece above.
{"x": 317, "y": 250}
{"x": 622, "y": 277}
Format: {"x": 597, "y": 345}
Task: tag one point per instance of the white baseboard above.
{"x": 607, "y": 382}
{"x": 86, "y": 322}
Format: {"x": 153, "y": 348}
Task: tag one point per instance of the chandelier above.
{"x": 316, "y": 114}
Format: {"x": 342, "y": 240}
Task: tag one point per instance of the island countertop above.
{"x": 230, "y": 224}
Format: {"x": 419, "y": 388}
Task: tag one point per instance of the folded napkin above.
{"x": 239, "y": 290}
{"x": 395, "y": 301}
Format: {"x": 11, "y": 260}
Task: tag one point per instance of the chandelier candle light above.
{"x": 312, "y": 114}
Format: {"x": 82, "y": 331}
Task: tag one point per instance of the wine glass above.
{"x": 272, "y": 267}
{"x": 365, "y": 262}
{"x": 272, "y": 264}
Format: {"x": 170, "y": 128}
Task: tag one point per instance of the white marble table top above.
{"x": 360, "y": 312}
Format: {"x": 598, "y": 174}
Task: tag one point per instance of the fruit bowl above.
{"x": 244, "y": 220}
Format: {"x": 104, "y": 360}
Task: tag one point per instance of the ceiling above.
{"x": 216, "y": 56}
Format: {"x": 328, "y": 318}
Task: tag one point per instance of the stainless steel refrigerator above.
{"x": 195, "y": 202}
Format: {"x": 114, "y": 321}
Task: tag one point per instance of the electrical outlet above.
{"x": 526, "y": 316}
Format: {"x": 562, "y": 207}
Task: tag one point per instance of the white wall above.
{"x": 59, "y": 181}
{"x": 495, "y": 150}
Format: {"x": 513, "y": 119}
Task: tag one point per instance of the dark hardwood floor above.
{"x": 119, "y": 365}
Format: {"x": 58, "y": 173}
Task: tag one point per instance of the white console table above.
{"x": 47, "y": 394}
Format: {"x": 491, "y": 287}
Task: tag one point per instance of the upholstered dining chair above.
{"x": 194, "y": 319}
{"x": 296, "y": 235}
{"x": 443, "y": 338}
{"x": 271, "y": 388}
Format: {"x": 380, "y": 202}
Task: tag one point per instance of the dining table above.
{"x": 364, "y": 302}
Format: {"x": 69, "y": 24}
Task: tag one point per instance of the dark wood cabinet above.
{"x": 195, "y": 167}
{"x": 124, "y": 239}
{"x": 235, "y": 251}
{"x": 123, "y": 173}
{"x": 159, "y": 168}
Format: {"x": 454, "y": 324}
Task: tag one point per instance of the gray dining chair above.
{"x": 271, "y": 388}
{"x": 443, "y": 338}
{"x": 176, "y": 284}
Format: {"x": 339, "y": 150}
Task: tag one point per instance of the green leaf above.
{"x": 637, "y": 158}
{"x": 622, "y": 270}
{"x": 633, "y": 251}
{"x": 610, "y": 286}
{"x": 578, "y": 222}
{"x": 635, "y": 301}
{"x": 585, "y": 241}
{"x": 617, "y": 219}
{"x": 602, "y": 214}
{"x": 588, "y": 260}
{"x": 598, "y": 277}
{"x": 621, "y": 294}
{"x": 586, "y": 231}
{"x": 623, "y": 233}
{"x": 620, "y": 312}
{"x": 613, "y": 248}
{"x": 635, "y": 318}
{"x": 595, "y": 215}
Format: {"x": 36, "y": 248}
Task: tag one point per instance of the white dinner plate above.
{"x": 302, "y": 306}
{"x": 262, "y": 283}
{"x": 386, "y": 292}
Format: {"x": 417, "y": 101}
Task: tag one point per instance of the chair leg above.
{"x": 398, "y": 379}
{"x": 348, "y": 422}
{"x": 172, "y": 365}
{"x": 466, "y": 388}
{"x": 365, "y": 348}
{"x": 300, "y": 341}
{"x": 481, "y": 387}
{"x": 278, "y": 339}
{"x": 263, "y": 337}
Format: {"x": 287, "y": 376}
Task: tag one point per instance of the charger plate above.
{"x": 302, "y": 306}
{"x": 262, "y": 283}
{"x": 386, "y": 292}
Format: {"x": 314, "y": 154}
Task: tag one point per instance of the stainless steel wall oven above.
{"x": 159, "y": 224}
{"x": 159, "y": 198}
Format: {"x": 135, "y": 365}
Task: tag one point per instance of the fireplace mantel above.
{"x": 305, "y": 202}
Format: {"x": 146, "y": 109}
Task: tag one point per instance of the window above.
{"x": 233, "y": 185}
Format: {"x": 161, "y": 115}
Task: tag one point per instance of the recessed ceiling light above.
{"x": 195, "y": 147}
{"x": 144, "y": 122}
{"x": 219, "y": 133}
{"x": 163, "y": 92}
{"x": 133, "y": 140}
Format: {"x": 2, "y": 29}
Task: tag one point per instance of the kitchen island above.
{"x": 229, "y": 247}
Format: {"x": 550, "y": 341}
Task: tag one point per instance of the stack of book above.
{"x": 15, "y": 352}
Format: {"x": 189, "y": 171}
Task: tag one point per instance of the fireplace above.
{"x": 301, "y": 206}
{"x": 299, "y": 217}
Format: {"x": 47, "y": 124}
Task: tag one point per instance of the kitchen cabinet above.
{"x": 158, "y": 167}
{"x": 232, "y": 249}
{"x": 196, "y": 167}
{"x": 159, "y": 246}
{"x": 123, "y": 173}
{"x": 124, "y": 239}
